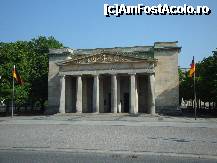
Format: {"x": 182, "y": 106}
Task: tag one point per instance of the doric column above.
{"x": 62, "y": 95}
{"x": 133, "y": 94}
{"x": 79, "y": 94}
{"x": 96, "y": 94}
{"x": 101, "y": 96}
{"x": 119, "y": 98}
{"x": 136, "y": 96}
{"x": 114, "y": 93}
{"x": 151, "y": 94}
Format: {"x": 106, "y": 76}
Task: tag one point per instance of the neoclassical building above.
{"x": 140, "y": 79}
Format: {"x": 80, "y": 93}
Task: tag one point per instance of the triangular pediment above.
{"x": 101, "y": 58}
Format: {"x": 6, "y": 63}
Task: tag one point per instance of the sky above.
{"x": 82, "y": 24}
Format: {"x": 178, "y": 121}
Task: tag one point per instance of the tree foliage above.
{"x": 206, "y": 81}
{"x": 31, "y": 60}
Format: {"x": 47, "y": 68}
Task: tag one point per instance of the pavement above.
{"x": 23, "y": 156}
{"x": 112, "y": 119}
{"x": 120, "y": 134}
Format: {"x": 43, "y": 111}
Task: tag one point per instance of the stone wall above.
{"x": 53, "y": 85}
{"x": 167, "y": 79}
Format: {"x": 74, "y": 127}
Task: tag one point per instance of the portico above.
{"x": 107, "y": 90}
{"x": 139, "y": 79}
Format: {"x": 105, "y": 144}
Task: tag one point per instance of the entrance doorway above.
{"x": 109, "y": 103}
{"x": 126, "y": 102}
{"x": 87, "y": 92}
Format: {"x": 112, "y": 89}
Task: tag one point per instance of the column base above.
{"x": 95, "y": 112}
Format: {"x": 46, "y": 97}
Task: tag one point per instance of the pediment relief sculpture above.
{"x": 101, "y": 58}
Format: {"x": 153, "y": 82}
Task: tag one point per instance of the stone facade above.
{"x": 138, "y": 79}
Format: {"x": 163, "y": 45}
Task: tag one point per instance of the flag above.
{"x": 16, "y": 76}
{"x": 192, "y": 69}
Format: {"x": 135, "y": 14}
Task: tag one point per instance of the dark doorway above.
{"x": 109, "y": 103}
{"x": 87, "y": 92}
{"x": 126, "y": 102}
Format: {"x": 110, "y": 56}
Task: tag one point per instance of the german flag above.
{"x": 192, "y": 69}
{"x": 16, "y": 76}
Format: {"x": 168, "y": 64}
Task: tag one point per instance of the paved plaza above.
{"x": 112, "y": 134}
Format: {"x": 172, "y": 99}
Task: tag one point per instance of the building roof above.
{"x": 136, "y": 51}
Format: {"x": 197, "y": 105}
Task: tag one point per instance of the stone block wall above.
{"x": 166, "y": 79}
{"x": 53, "y": 85}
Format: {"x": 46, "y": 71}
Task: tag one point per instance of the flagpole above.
{"x": 195, "y": 101}
{"x": 12, "y": 109}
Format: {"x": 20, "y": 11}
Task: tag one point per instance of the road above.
{"x": 14, "y": 156}
{"x": 137, "y": 137}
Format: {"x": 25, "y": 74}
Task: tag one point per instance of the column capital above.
{"x": 132, "y": 74}
{"x": 62, "y": 76}
{"x": 96, "y": 75}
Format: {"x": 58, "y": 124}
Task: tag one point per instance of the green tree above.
{"x": 31, "y": 60}
{"x": 208, "y": 78}
{"x": 14, "y": 54}
{"x": 39, "y": 69}
{"x": 206, "y": 81}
